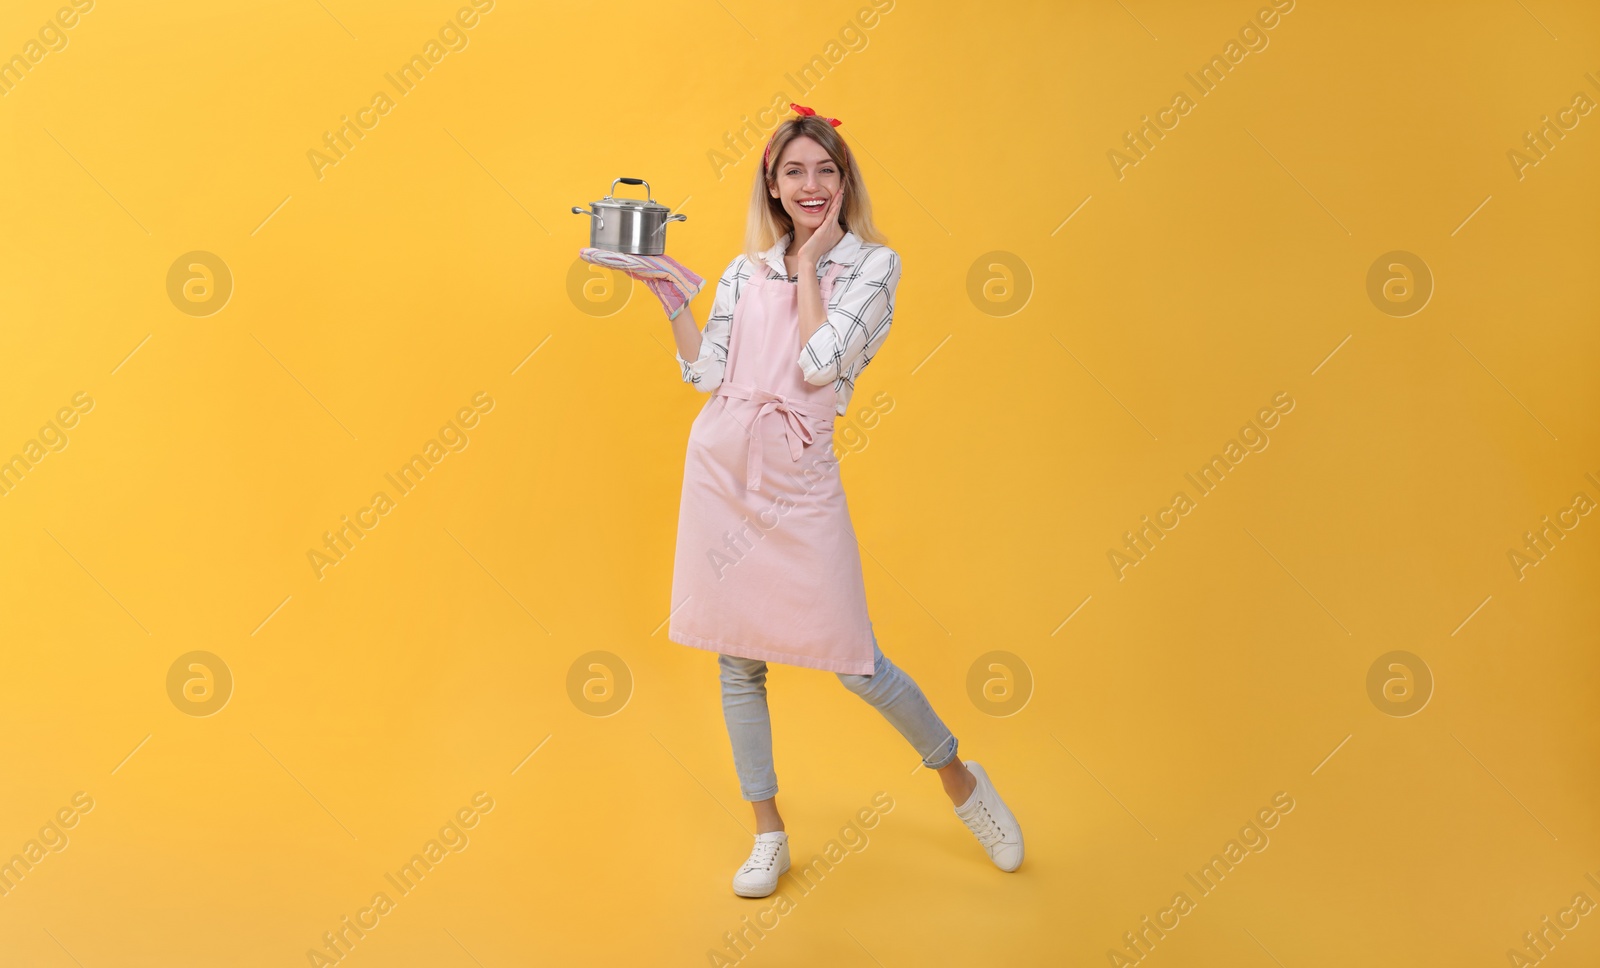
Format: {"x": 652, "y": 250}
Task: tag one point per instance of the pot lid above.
{"x": 646, "y": 204}
{"x": 639, "y": 204}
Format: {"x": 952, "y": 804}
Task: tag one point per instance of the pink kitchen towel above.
{"x": 672, "y": 282}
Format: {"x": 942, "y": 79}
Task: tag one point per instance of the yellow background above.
{"x": 371, "y": 304}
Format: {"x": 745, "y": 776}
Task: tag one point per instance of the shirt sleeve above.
{"x": 706, "y": 371}
{"x": 858, "y": 322}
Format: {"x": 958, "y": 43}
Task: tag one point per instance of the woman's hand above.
{"x": 673, "y": 283}
{"x": 827, "y": 234}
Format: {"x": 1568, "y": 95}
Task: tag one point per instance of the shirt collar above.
{"x": 845, "y": 250}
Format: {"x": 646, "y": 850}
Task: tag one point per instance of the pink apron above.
{"x": 767, "y": 565}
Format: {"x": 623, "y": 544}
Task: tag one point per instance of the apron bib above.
{"x": 767, "y": 565}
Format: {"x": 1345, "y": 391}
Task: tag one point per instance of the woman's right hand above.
{"x": 673, "y": 283}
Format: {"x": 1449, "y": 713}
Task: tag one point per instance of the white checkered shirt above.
{"x": 858, "y": 315}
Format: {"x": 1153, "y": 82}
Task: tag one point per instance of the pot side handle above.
{"x": 678, "y": 217}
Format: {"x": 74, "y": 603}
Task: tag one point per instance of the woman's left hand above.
{"x": 827, "y": 234}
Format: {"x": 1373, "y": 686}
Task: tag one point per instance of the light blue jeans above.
{"x": 891, "y": 691}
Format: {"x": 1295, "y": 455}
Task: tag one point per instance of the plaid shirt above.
{"x": 858, "y": 316}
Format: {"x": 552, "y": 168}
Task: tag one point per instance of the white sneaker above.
{"x": 987, "y": 816}
{"x": 768, "y": 861}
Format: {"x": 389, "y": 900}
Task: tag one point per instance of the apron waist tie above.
{"x": 795, "y": 427}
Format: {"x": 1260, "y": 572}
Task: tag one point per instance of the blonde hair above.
{"x": 768, "y": 222}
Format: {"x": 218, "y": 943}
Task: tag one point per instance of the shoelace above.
{"x": 985, "y": 826}
{"x": 763, "y": 856}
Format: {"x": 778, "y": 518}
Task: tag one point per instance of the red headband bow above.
{"x": 766, "y": 156}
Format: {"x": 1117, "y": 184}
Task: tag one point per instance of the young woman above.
{"x": 767, "y": 568}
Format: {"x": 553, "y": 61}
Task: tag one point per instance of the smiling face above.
{"x": 807, "y": 179}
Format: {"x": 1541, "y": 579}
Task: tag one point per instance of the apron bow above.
{"x": 796, "y": 428}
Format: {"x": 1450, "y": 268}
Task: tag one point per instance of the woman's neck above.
{"x": 791, "y": 255}
{"x": 798, "y": 240}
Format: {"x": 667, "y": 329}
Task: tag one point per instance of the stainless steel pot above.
{"x": 629, "y": 225}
